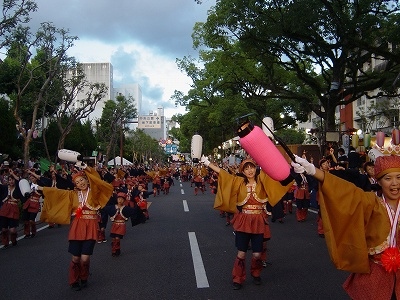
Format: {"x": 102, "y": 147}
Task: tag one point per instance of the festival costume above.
{"x": 302, "y": 196}
{"x": 31, "y": 208}
{"x": 232, "y": 195}
{"x": 118, "y": 217}
{"x": 198, "y": 184}
{"x": 58, "y": 207}
{"x": 358, "y": 248}
{"x": 166, "y": 187}
{"x": 9, "y": 213}
{"x": 288, "y": 201}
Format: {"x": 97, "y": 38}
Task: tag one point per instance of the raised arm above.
{"x": 209, "y": 164}
{"x": 309, "y": 168}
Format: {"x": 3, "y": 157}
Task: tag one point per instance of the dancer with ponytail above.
{"x": 362, "y": 229}
{"x": 83, "y": 204}
{"x": 247, "y": 195}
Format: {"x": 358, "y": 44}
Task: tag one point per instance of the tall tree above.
{"x": 8, "y": 132}
{"x": 114, "y": 122}
{"x": 228, "y": 86}
{"x": 143, "y": 147}
{"x": 36, "y": 74}
{"x": 14, "y": 13}
{"x": 325, "y": 44}
{"x": 75, "y": 107}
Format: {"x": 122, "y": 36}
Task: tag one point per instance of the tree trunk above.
{"x": 46, "y": 148}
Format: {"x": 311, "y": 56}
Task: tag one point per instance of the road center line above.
{"x": 182, "y": 192}
{"x": 185, "y": 206}
{"x": 199, "y": 271}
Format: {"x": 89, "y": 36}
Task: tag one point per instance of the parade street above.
{"x": 184, "y": 251}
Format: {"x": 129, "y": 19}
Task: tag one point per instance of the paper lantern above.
{"x": 196, "y": 147}
{"x": 259, "y": 146}
{"x": 373, "y": 154}
{"x": 367, "y": 140}
{"x": 346, "y": 140}
{"x": 380, "y": 138}
{"x": 354, "y": 140}
{"x": 395, "y": 137}
{"x": 267, "y": 121}
{"x": 69, "y": 155}
{"x": 25, "y": 187}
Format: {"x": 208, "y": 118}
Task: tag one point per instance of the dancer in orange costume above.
{"x": 83, "y": 204}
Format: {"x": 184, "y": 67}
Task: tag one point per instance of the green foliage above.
{"x": 291, "y": 136}
{"x": 8, "y": 132}
{"x": 115, "y": 118}
{"x": 81, "y": 138}
{"x": 140, "y": 147}
{"x": 14, "y": 13}
{"x": 290, "y": 58}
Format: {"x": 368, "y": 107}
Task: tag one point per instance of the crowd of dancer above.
{"x": 246, "y": 197}
{"x": 300, "y": 196}
{"x": 87, "y": 198}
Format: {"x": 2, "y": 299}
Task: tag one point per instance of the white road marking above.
{"x": 182, "y": 192}
{"x": 185, "y": 206}
{"x": 199, "y": 271}
{"x": 22, "y": 236}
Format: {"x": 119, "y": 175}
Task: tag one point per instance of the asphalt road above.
{"x": 184, "y": 251}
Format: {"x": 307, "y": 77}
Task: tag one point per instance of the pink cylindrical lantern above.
{"x": 267, "y": 121}
{"x": 196, "y": 147}
{"x": 259, "y": 146}
{"x": 367, "y": 140}
{"x": 395, "y": 136}
{"x": 354, "y": 140}
{"x": 380, "y": 138}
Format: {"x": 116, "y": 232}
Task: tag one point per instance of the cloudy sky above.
{"x": 141, "y": 38}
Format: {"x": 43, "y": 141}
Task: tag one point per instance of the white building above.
{"x": 154, "y": 124}
{"x": 133, "y": 91}
{"x": 101, "y": 73}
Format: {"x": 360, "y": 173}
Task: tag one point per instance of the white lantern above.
{"x": 346, "y": 141}
{"x": 270, "y": 123}
{"x": 196, "y": 147}
{"x": 24, "y": 187}
{"x": 69, "y": 155}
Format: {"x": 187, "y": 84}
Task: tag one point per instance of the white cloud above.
{"x": 158, "y": 75}
{"x": 141, "y": 39}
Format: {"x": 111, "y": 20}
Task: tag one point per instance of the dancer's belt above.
{"x": 89, "y": 217}
{"x": 253, "y": 209}
{"x": 119, "y": 222}
{"x": 89, "y": 212}
{"x": 14, "y": 202}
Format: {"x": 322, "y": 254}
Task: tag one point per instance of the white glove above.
{"x": 80, "y": 165}
{"x": 308, "y": 167}
{"x": 297, "y": 168}
{"x": 205, "y": 160}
